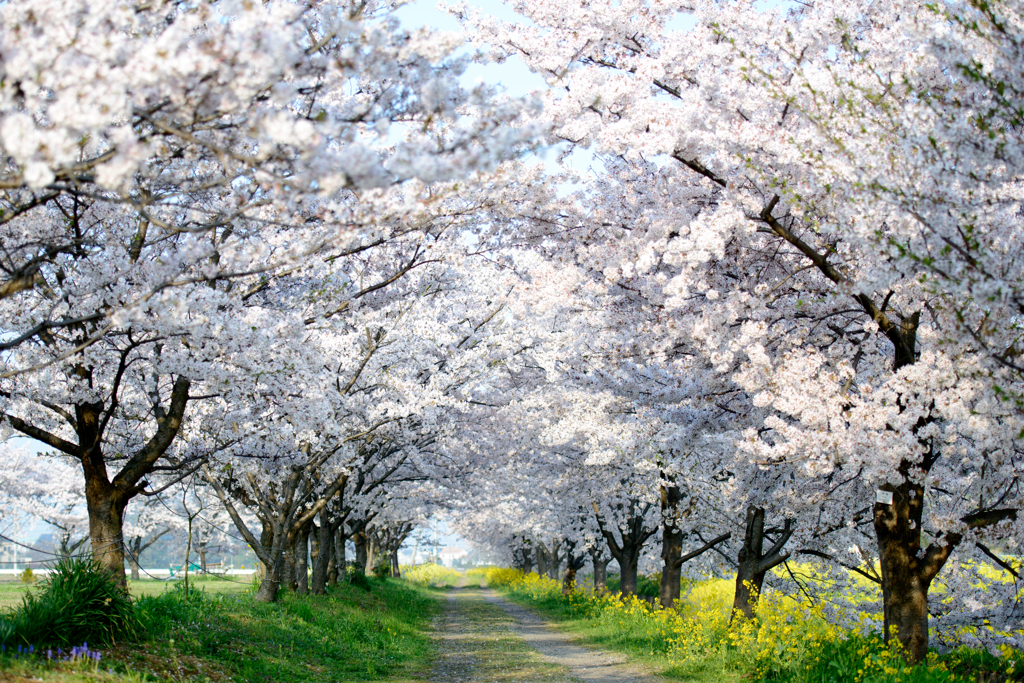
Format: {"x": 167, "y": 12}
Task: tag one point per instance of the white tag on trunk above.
{"x": 883, "y": 497}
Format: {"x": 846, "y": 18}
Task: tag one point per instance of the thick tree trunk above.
{"x": 754, "y": 563}
{"x": 628, "y": 572}
{"x": 302, "y": 561}
{"x": 671, "y": 547}
{"x": 324, "y": 556}
{"x": 600, "y": 563}
{"x": 396, "y": 570}
{"x": 270, "y": 585}
{"x": 749, "y": 580}
{"x": 554, "y": 562}
{"x": 274, "y": 564}
{"x": 542, "y": 559}
{"x": 905, "y": 577}
{"x": 626, "y": 549}
{"x": 288, "y": 571}
{"x": 202, "y": 560}
{"x": 106, "y": 528}
{"x": 360, "y": 541}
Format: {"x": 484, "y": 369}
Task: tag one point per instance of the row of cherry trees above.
{"x": 278, "y": 251}
{"x": 234, "y": 253}
{"x": 785, "y": 313}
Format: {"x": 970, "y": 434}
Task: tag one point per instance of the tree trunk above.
{"x": 671, "y": 547}
{"x": 527, "y": 560}
{"x": 340, "y": 561}
{"x": 288, "y": 571}
{"x": 555, "y": 562}
{"x": 628, "y": 572}
{"x": 133, "y": 563}
{"x": 905, "y": 577}
{"x": 270, "y": 584}
{"x": 371, "y": 553}
{"x": 202, "y": 559}
{"x": 600, "y": 563}
{"x": 324, "y": 556}
{"x": 754, "y": 564}
{"x": 542, "y": 559}
{"x": 302, "y": 561}
{"x": 314, "y": 545}
{"x": 568, "y": 580}
{"x": 106, "y": 528}
{"x": 396, "y": 570}
{"x": 360, "y": 541}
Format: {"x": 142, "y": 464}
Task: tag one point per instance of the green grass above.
{"x": 350, "y": 635}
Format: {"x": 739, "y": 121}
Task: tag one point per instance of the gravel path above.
{"x": 485, "y": 639}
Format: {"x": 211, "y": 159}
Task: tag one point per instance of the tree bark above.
{"x": 371, "y": 553}
{"x": 754, "y": 563}
{"x": 600, "y": 563}
{"x": 568, "y": 580}
{"x": 360, "y": 541}
{"x": 542, "y": 559}
{"x": 396, "y": 569}
{"x": 671, "y": 547}
{"x": 272, "y": 561}
{"x": 573, "y": 562}
{"x": 555, "y": 562}
{"x": 628, "y": 573}
{"x": 106, "y": 527}
{"x": 324, "y": 556}
{"x": 302, "y": 561}
{"x": 528, "y": 557}
{"x": 905, "y": 577}
{"x": 288, "y": 570}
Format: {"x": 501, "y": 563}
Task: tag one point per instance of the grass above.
{"x": 219, "y": 634}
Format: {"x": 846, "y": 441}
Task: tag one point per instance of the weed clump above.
{"x": 78, "y": 602}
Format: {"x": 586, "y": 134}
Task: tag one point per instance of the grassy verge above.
{"x": 356, "y": 633}
{"x": 786, "y": 643}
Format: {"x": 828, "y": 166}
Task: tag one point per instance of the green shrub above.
{"x": 27, "y": 576}
{"x": 78, "y": 603}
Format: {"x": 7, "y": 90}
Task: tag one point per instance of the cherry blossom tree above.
{"x": 723, "y": 160}
{"x": 151, "y": 152}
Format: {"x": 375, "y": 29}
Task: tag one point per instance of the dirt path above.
{"x": 485, "y": 639}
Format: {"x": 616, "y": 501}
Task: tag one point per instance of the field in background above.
{"x": 12, "y": 590}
